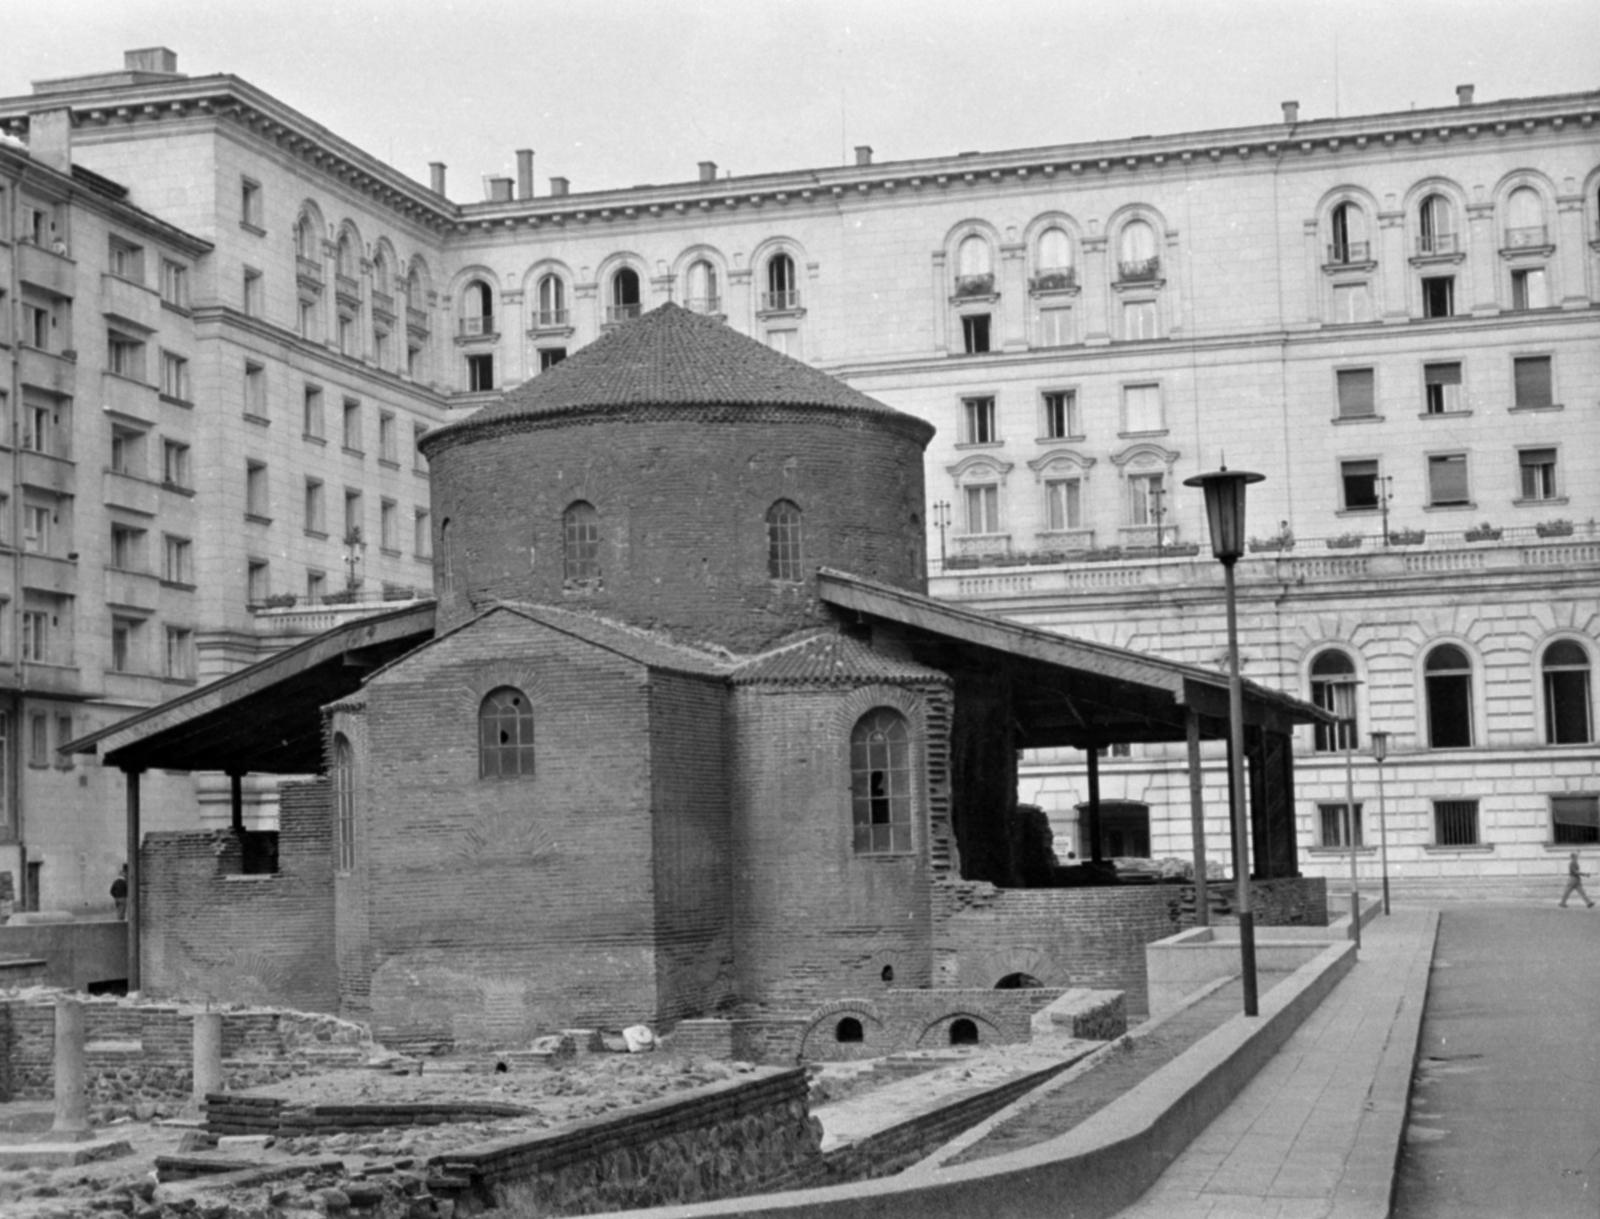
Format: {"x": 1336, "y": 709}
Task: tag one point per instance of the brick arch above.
{"x": 1024, "y": 959}
{"x": 817, "y": 1041}
{"x": 937, "y": 1031}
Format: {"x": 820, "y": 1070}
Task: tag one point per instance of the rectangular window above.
{"x": 1575, "y": 820}
{"x": 419, "y": 463}
{"x": 380, "y": 347}
{"x": 975, "y": 333}
{"x": 255, "y": 489}
{"x": 36, "y": 521}
{"x": 174, "y": 376}
{"x": 1356, "y": 399}
{"x": 1141, "y": 409}
{"x": 257, "y": 582}
{"x": 1061, "y": 415}
{"x": 549, "y": 357}
{"x": 1531, "y": 378}
{"x": 177, "y": 565}
{"x": 352, "y": 515}
{"x": 127, "y": 260}
{"x": 250, "y": 203}
{"x": 1146, "y": 493}
{"x": 36, "y": 636}
{"x": 347, "y": 335}
{"x": 36, "y": 323}
{"x": 38, "y": 739}
{"x": 1359, "y": 480}
{"x": 1335, "y": 825}
{"x": 124, "y": 644}
{"x": 389, "y": 526}
{"x": 180, "y": 654}
{"x": 38, "y": 432}
{"x": 125, "y": 356}
{"x": 978, "y": 421}
{"x": 1528, "y": 290}
{"x": 313, "y": 423}
{"x": 1439, "y": 296}
{"x": 1538, "y": 473}
{"x": 127, "y": 451}
{"x": 174, "y": 283}
{"x": 63, "y": 736}
{"x": 255, "y": 390}
{"x": 316, "y": 520}
{"x": 1442, "y": 388}
{"x": 422, "y": 535}
{"x": 1455, "y": 823}
{"x": 1352, "y": 304}
{"x": 175, "y": 464}
{"x": 308, "y": 319}
{"x": 352, "y": 425}
{"x": 1447, "y": 480}
{"x": 480, "y": 373}
{"x": 252, "y": 292}
{"x": 1139, "y": 320}
{"x": 388, "y": 443}
{"x": 1055, "y": 327}
{"x": 983, "y": 508}
{"x": 1063, "y": 508}
{"x": 316, "y": 585}
{"x": 127, "y": 548}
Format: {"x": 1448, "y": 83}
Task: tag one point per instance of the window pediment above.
{"x": 1060, "y": 463}
{"x": 1145, "y": 456}
{"x": 979, "y": 467}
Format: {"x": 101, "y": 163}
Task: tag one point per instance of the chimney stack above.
{"x": 524, "y": 173}
{"x": 1464, "y": 95}
{"x": 1291, "y": 112}
{"x": 559, "y": 187}
{"x": 708, "y": 171}
{"x": 436, "y": 172}
{"x": 863, "y": 154}
{"x": 50, "y": 138}
{"x": 151, "y": 59}
{"x": 499, "y": 190}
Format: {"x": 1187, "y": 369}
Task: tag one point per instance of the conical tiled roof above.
{"x": 672, "y": 357}
{"x": 830, "y": 658}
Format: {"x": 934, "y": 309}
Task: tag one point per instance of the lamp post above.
{"x": 1384, "y": 484}
{"x": 1380, "y": 751}
{"x": 1347, "y": 728}
{"x": 1224, "y": 492}
{"x": 941, "y": 518}
{"x": 354, "y": 550}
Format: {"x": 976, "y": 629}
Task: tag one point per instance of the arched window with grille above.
{"x": 1525, "y": 225}
{"x": 477, "y": 309}
{"x": 1137, "y": 258}
{"x": 505, "y": 735}
{"x": 700, "y": 288}
{"x": 783, "y": 541}
{"x": 1333, "y": 688}
{"x": 1436, "y": 226}
{"x": 625, "y": 298}
{"x": 580, "y": 545}
{"x": 783, "y": 289}
{"x": 1447, "y": 676}
{"x": 344, "y": 804}
{"x": 552, "y": 300}
{"x": 974, "y": 267}
{"x": 1349, "y": 241}
{"x": 880, "y": 782}
{"x": 1567, "y": 718}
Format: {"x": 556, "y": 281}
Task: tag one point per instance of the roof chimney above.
{"x": 436, "y": 172}
{"x": 50, "y": 138}
{"x": 1464, "y": 95}
{"x": 863, "y": 154}
{"x": 524, "y": 173}
{"x": 559, "y": 187}
{"x": 1291, "y": 112}
{"x": 151, "y": 59}
{"x": 708, "y": 171}
{"x": 499, "y": 190}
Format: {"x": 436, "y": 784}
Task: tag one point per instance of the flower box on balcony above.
{"x": 280, "y": 601}
{"x": 1042, "y": 558}
{"x": 1407, "y": 537}
{"x": 1108, "y": 555}
{"x": 1345, "y": 541}
{"x": 1010, "y": 560}
{"x": 1554, "y": 529}
{"x": 1054, "y": 281}
{"x": 1182, "y": 550}
{"x": 975, "y": 285}
{"x": 1283, "y": 541}
{"x": 961, "y": 562}
{"x": 1484, "y": 533}
{"x": 342, "y": 597}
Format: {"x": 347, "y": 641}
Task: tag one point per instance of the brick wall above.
{"x": 682, "y": 498}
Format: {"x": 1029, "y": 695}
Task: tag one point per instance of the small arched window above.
{"x": 880, "y": 782}
{"x": 1525, "y": 219}
{"x": 1447, "y": 675}
{"x": 505, "y": 735}
{"x": 305, "y": 238}
{"x": 477, "y": 309}
{"x": 1333, "y": 688}
{"x": 1566, "y": 694}
{"x": 1136, "y": 251}
{"x": 1435, "y": 226}
{"x": 700, "y": 288}
{"x": 552, "y": 301}
{"x": 1055, "y": 251}
{"x": 580, "y": 544}
{"x": 447, "y": 578}
{"x": 783, "y": 541}
{"x": 344, "y": 803}
{"x": 624, "y": 296}
{"x": 380, "y": 273}
{"x": 783, "y": 290}
{"x": 848, "y": 1030}
{"x": 346, "y": 259}
{"x": 1349, "y": 233}
{"x": 963, "y": 1032}
{"x": 413, "y": 290}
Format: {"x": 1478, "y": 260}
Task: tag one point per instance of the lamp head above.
{"x": 1380, "y": 743}
{"x": 1224, "y": 492}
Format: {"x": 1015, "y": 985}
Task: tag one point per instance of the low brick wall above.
{"x": 229, "y": 1113}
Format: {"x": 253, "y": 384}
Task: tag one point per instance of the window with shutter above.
{"x": 1447, "y": 479}
{"x": 1531, "y": 378}
{"x": 1356, "y": 399}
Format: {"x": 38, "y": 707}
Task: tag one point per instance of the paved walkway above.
{"x": 1316, "y": 1134}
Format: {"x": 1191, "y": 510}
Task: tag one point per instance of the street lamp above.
{"x": 1347, "y": 728}
{"x": 1380, "y": 751}
{"x": 1224, "y": 492}
{"x": 941, "y": 518}
{"x": 355, "y": 550}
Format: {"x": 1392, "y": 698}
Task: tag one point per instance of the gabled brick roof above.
{"x": 672, "y": 357}
{"x": 829, "y": 658}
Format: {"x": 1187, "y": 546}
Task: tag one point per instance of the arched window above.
{"x": 1136, "y": 252}
{"x": 380, "y": 273}
{"x": 505, "y": 735}
{"x": 552, "y": 301}
{"x": 700, "y": 288}
{"x": 345, "y": 258}
{"x": 1333, "y": 688}
{"x": 413, "y": 290}
{"x": 880, "y": 782}
{"x": 580, "y": 544}
{"x": 783, "y": 290}
{"x": 344, "y": 803}
{"x": 1447, "y": 674}
{"x": 447, "y": 577}
{"x": 1435, "y": 226}
{"x": 624, "y": 296}
{"x": 1350, "y": 243}
{"x": 305, "y": 237}
{"x": 477, "y": 309}
{"x": 1055, "y": 251}
{"x": 974, "y": 267}
{"x": 1525, "y": 219}
{"x": 1566, "y": 694}
{"x": 783, "y": 541}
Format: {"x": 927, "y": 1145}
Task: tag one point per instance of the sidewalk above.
{"x": 1317, "y": 1133}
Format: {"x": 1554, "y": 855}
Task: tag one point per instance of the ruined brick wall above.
{"x": 983, "y": 765}
{"x": 208, "y": 931}
{"x": 690, "y": 848}
{"x": 682, "y": 498}
{"x": 812, "y": 918}
{"x": 503, "y": 908}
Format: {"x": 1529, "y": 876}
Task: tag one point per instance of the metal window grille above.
{"x": 1455, "y": 823}
{"x": 880, "y": 782}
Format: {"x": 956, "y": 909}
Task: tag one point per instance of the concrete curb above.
{"x": 1096, "y": 1169}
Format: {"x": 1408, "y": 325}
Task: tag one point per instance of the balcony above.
{"x": 552, "y": 319}
{"x": 621, "y": 313}
{"x": 132, "y": 589}
{"x": 973, "y": 544}
{"x": 139, "y": 495}
{"x": 347, "y": 288}
{"x": 308, "y": 271}
{"x": 417, "y": 321}
{"x": 383, "y": 306}
{"x": 48, "y": 473}
{"x": 58, "y": 675}
{"x": 1529, "y": 237}
{"x": 974, "y": 285}
{"x": 54, "y": 372}
{"x": 1433, "y": 245}
{"x": 475, "y": 327}
{"x": 43, "y": 269}
{"x": 1348, "y": 253}
{"x": 1139, "y": 270}
{"x": 1062, "y": 279}
{"x": 48, "y": 573}
{"x": 124, "y": 396}
{"x": 780, "y": 302}
{"x": 133, "y": 304}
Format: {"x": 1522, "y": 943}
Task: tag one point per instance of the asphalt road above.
{"x": 1505, "y": 1101}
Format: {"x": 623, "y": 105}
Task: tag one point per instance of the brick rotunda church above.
{"x": 681, "y": 737}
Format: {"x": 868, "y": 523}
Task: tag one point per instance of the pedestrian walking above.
{"x": 1575, "y": 883}
{"x": 119, "y": 892}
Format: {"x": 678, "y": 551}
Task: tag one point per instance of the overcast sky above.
{"x": 620, "y": 92}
